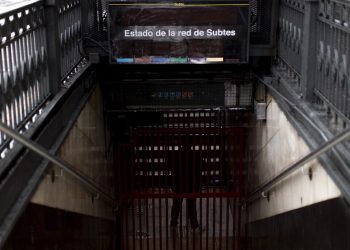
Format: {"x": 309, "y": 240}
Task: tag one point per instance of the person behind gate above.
{"x": 185, "y": 163}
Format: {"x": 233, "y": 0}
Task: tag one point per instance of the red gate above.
{"x": 180, "y": 188}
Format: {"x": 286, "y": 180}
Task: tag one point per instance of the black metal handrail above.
{"x": 314, "y": 126}
{"x": 266, "y": 187}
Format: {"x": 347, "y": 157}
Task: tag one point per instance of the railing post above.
{"x": 53, "y": 45}
{"x": 274, "y": 23}
{"x": 308, "y": 69}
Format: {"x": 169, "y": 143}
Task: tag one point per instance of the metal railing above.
{"x": 24, "y": 82}
{"x": 69, "y": 28}
{"x": 314, "y": 46}
{"x": 39, "y": 49}
{"x": 162, "y": 167}
{"x": 42, "y": 74}
{"x": 333, "y": 54}
{"x": 328, "y": 146}
{"x": 288, "y": 171}
{"x": 291, "y": 35}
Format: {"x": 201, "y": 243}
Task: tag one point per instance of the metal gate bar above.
{"x": 180, "y": 188}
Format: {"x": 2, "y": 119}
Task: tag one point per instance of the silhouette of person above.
{"x": 186, "y": 180}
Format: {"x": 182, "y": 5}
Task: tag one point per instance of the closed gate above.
{"x": 180, "y": 188}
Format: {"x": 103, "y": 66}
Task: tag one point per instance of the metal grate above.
{"x": 95, "y": 33}
{"x": 163, "y": 167}
{"x": 95, "y": 18}
{"x": 192, "y": 119}
{"x": 261, "y": 22}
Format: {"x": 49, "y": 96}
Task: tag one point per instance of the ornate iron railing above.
{"x": 40, "y": 47}
{"x": 24, "y": 84}
{"x": 291, "y": 35}
{"x": 69, "y": 28}
{"x": 333, "y": 54}
{"x": 314, "y": 45}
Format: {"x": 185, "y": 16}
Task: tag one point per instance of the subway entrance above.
{"x": 180, "y": 184}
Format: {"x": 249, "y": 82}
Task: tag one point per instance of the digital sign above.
{"x": 179, "y": 33}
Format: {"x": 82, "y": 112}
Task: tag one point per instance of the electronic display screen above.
{"x": 179, "y": 33}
